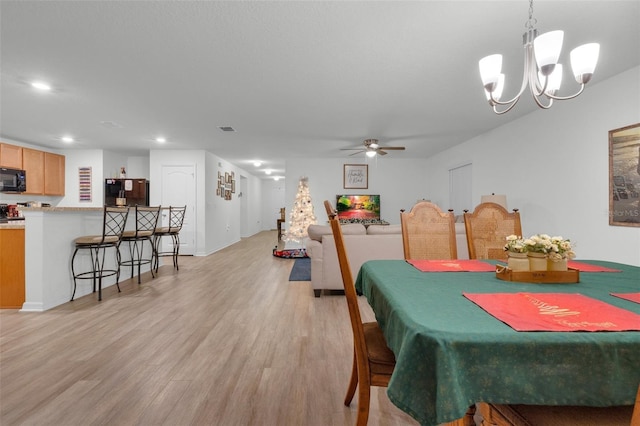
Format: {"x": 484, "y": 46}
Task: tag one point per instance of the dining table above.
{"x": 451, "y": 353}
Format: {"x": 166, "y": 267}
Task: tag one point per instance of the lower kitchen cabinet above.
{"x": 12, "y": 279}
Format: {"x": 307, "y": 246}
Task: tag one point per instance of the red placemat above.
{"x": 634, "y": 297}
{"x": 587, "y": 267}
{"x": 455, "y": 265}
{"x": 555, "y": 312}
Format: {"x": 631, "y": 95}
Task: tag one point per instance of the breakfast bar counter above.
{"x": 49, "y": 235}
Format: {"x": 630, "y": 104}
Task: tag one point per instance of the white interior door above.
{"x": 460, "y": 189}
{"x": 179, "y": 189}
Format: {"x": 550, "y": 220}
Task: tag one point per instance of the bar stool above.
{"x": 113, "y": 223}
{"x": 176, "y": 219}
{"x": 146, "y": 222}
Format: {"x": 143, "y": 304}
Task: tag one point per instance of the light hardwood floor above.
{"x": 227, "y": 340}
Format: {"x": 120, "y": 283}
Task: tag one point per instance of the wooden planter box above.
{"x": 538, "y": 277}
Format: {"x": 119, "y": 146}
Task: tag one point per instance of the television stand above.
{"x": 365, "y": 222}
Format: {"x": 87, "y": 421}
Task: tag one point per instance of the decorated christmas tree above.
{"x": 301, "y": 215}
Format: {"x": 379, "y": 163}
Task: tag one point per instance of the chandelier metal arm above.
{"x": 565, "y": 98}
{"x": 511, "y": 102}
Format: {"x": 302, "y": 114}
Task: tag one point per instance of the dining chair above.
{"x": 373, "y": 361}
{"x": 172, "y": 229}
{"x": 146, "y": 222}
{"x": 114, "y": 220}
{"x": 487, "y": 229}
{"x": 428, "y": 232}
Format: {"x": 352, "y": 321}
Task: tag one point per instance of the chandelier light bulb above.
{"x": 490, "y": 67}
{"x": 583, "y": 61}
{"x": 547, "y": 49}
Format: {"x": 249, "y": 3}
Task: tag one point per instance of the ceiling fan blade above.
{"x": 401, "y": 148}
{"x": 355, "y": 153}
{"x": 351, "y": 149}
{"x": 381, "y": 152}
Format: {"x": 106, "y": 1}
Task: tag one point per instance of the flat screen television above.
{"x": 359, "y": 207}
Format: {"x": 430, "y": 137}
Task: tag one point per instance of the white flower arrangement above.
{"x": 539, "y": 243}
{"x": 515, "y": 244}
{"x": 560, "y": 248}
{"x": 556, "y": 248}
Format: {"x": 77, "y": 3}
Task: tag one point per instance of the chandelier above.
{"x": 542, "y": 72}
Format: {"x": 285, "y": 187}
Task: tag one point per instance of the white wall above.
{"x": 554, "y": 166}
{"x": 75, "y": 158}
{"x": 399, "y": 182}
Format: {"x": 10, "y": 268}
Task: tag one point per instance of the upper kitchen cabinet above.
{"x": 45, "y": 172}
{"x": 53, "y": 174}
{"x": 10, "y": 156}
{"x": 33, "y": 165}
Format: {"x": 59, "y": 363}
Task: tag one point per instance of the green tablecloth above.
{"x": 451, "y": 354}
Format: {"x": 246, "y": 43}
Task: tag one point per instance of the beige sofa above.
{"x": 362, "y": 244}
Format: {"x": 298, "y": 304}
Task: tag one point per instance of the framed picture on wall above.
{"x": 624, "y": 176}
{"x": 355, "y": 176}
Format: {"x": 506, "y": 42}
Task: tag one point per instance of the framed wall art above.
{"x": 624, "y": 176}
{"x": 355, "y": 176}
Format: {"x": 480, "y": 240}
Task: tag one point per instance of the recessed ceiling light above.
{"x": 41, "y": 85}
{"x": 226, "y": 128}
{"x": 268, "y": 172}
{"x": 276, "y": 178}
{"x": 66, "y": 139}
{"x": 160, "y": 139}
{"x": 257, "y": 163}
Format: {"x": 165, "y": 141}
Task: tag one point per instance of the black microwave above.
{"x": 13, "y": 180}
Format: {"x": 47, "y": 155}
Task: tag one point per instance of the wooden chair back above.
{"x": 428, "y": 232}
{"x": 349, "y": 291}
{"x": 373, "y": 361}
{"x": 487, "y": 229}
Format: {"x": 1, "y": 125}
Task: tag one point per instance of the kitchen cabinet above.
{"x": 45, "y": 172}
{"x": 12, "y": 276}
{"x": 53, "y": 174}
{"x": 10, "y": 156}
{"x": 33, "y": 164}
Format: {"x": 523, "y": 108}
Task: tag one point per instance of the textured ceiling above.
{"x": 295, "y": 79}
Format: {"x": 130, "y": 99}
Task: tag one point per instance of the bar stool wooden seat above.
{"x": 113, "y": 224}
{"x": 146, "y": 222}
{"x": 174, "y": 225}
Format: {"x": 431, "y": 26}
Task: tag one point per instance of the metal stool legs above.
{"x": 97, "y": 272}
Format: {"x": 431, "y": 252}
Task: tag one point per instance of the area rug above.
{"x": 301, "y": 270}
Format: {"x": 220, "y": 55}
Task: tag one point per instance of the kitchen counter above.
{"x": 49, "y": 235}
{"x": 13, "y": 224}
{"x": 61, "y": 209}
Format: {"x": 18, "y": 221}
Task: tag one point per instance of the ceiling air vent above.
{"x": 226, "y": 128}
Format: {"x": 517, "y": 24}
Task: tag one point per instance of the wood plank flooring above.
{"x": 226, "y": 340}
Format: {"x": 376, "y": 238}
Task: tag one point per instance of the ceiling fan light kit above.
{"x": 542, "y": 73}
{"x": 373, "y": 148}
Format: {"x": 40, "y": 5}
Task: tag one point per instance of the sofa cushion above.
{"x": 353, "y": 229}
{"x": 317, "y": 231}
{"x": 384, "y": 229}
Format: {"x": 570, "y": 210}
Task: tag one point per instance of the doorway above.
{"x": 179, "y": 189}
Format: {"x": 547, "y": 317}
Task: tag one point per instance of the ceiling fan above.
{"x": 371, "y": 148}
